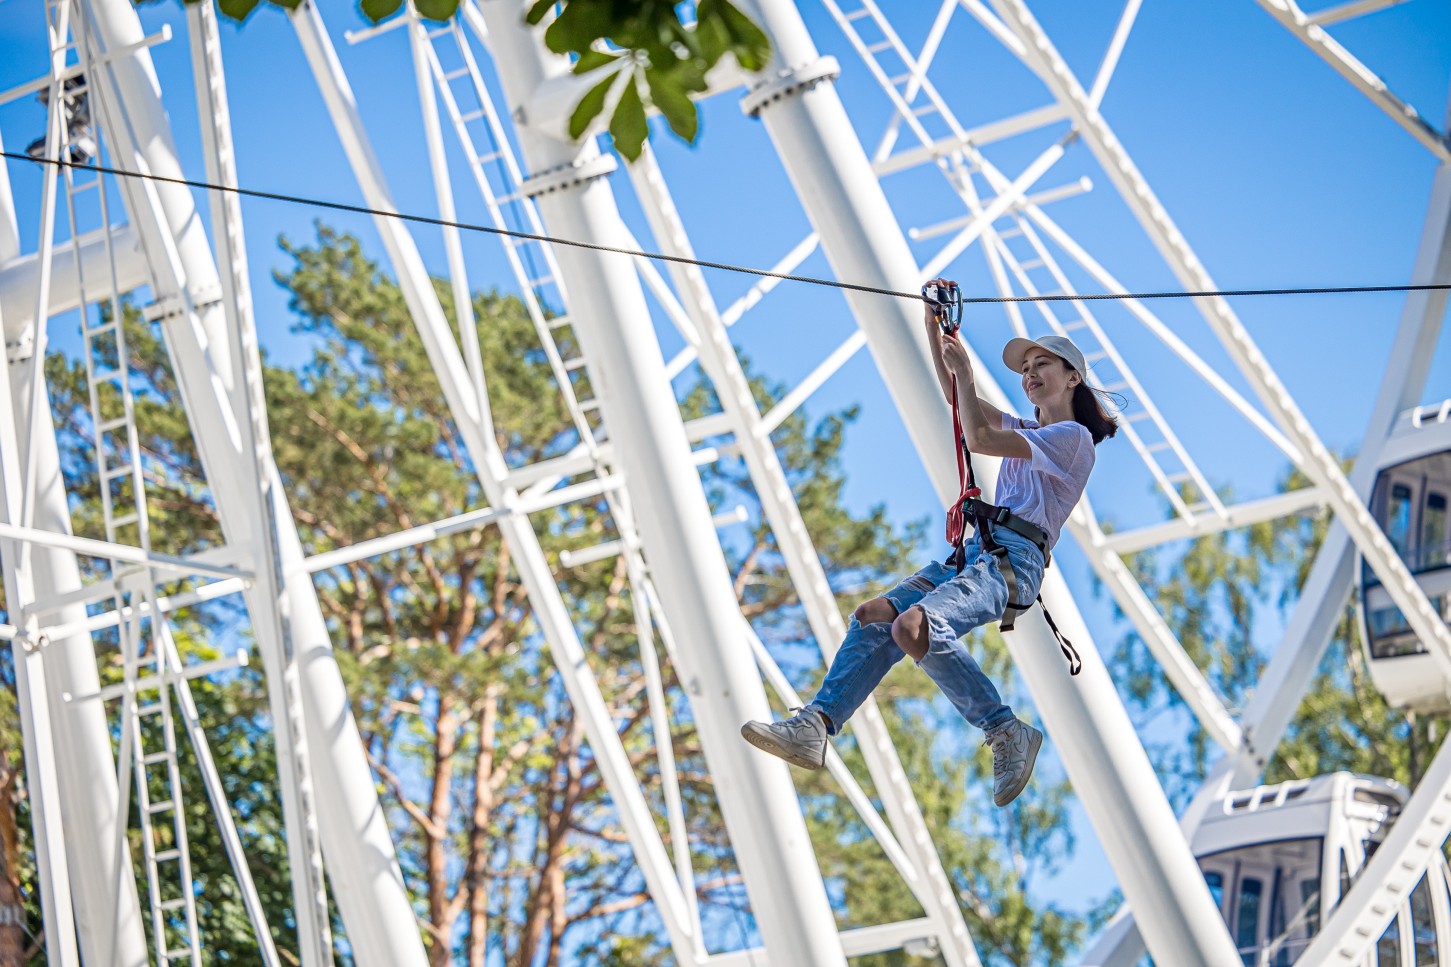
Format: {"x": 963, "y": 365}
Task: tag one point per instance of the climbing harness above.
{"x": 985, "y": 517}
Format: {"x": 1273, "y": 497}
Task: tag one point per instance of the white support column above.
{"x": 1290, "y": 670}
{"x": 475, "y": 424}
{"x": 860, "y": 237}
{"x": 768, "y": 831}
{"x": 752, "y": 433}
{"x": 266, "y": 598}
{"x": 33, "y": 705}
{"x": 32, "y": 700}
{"x": 368, "y": 886}
{"x": 20, "y": 277}
{"x": 107, "y": 908}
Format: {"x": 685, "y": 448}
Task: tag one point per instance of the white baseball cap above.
{"x": 1016, "y": 351}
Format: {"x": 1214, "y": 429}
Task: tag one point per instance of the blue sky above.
{"x": 1276, "y": 169}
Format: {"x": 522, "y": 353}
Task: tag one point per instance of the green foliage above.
{"x": 1217, "y": 594}
{"x": 648, "y": 55}
{"x": 645, "y": 52}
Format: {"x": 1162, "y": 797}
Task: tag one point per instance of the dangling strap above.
{"x": 1075, "y": 664}
{"x": 987, "y": 518}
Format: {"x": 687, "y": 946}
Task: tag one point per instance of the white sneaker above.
{"x": 800, "y": 740}
{"x": 1015, "y": 747}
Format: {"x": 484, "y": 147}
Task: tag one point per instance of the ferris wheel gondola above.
{"x": 1278, "y": 859}
{"x": 1410, "y": 502}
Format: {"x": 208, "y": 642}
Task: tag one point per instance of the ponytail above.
{"x": 1088, "y": 409}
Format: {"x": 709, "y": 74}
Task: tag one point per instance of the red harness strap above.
{"x": 956, "y": 517}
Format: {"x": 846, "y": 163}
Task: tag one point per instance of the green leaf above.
{"x": 237, "y": 10}
{"x": 440, "y": 10}
{"x": 577, "y": 27}
{"x": 628, "y": 128}
{"x": 536, "y": 13}
{"x": 667, "y": 94}
{"x": 376, "y": 10}
{"x": 592, "y": 59}
{"x": 748, "y": 42}
{"x": 590, "y": 105}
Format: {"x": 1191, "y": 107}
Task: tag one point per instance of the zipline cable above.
{"x": 724, "y": 266}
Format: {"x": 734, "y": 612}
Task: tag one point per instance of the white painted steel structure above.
{"x": 635, "y": 453}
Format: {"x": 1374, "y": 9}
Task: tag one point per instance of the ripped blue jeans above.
{"x": 954, "y": 605}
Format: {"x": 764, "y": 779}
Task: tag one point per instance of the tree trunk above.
{"x": 439, "y": 808}
{"x": 545, "y": 902}
{"x": 12, "y": 908}
{"x": 478, "y": 859}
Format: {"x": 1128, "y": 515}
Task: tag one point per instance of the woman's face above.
{"x": 1047, "y": 377}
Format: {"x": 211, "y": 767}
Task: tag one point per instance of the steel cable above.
{"x": 726, "y": 266}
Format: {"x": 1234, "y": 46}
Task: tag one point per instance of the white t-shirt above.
{"x": 1044, "y": 488}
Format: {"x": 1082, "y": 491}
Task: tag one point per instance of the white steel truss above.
{"x": 642, "y": 458}
{"x": 222, "y": 378}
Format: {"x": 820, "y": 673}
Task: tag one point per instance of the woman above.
{"x": 1046, "y": 463}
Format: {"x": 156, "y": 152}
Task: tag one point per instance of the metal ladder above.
{"x": 147, "y": 718}
{"x": 499, "y": 178}
{"x": 1146, "y": 429}
{"x": 497, "y": 174}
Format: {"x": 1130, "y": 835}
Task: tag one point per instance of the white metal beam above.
{"x": 1115, "y": 50}
{"x": 17, "y": 491}
{"x": 1236, "y": 516}
{"x": 758, "y": 802}
{"x": 117, "y": 552}
{"x": 475, "y": 425}
{"x": 974, "y": 137}
{"x": 1328, "y": 49}
{"x": 20, "y": 280}
{"x": 74, "y": 70}
{"x": 1083, "y": 715}
{"x": 1349, "y": 11}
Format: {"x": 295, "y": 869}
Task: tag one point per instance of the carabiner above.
{"x": 946, "y": 302}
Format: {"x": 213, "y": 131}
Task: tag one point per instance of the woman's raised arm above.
{"x": 934, "y": 340}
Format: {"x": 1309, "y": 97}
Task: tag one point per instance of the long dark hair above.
{"x": 1088, "y": 410}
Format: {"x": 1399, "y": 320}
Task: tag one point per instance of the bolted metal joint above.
{"x": 21, "y": 349}
{"x": 567, "y": 176}
{"x": 787, "y": 82}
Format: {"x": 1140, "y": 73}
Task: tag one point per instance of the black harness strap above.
{"x": 986, "y": 518}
